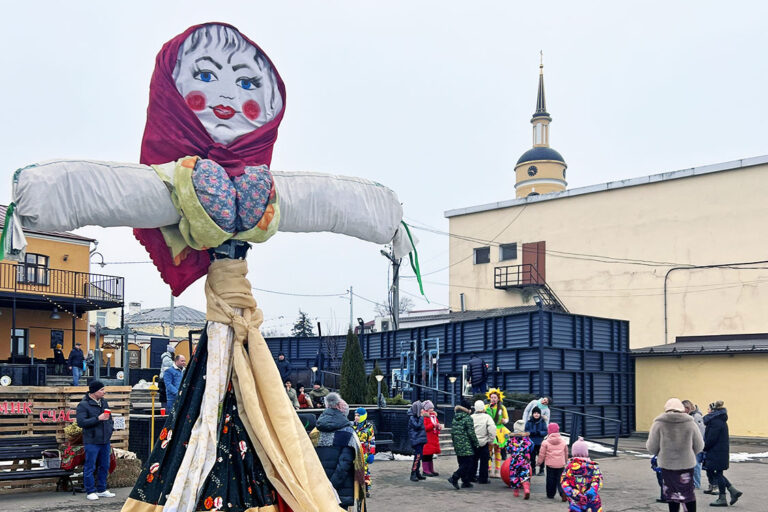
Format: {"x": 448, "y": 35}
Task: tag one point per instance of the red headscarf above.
{"x": 173, "y": 131}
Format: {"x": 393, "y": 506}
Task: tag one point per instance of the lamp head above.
{"x": 379, "y": 377}
{"x": 314, "y": 369}
{"x": 452, "y": 378}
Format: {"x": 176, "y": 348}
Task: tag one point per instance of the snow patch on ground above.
{"x": 746, "y": 457}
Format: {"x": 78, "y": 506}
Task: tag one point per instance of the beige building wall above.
{"x": 709, "y": 218}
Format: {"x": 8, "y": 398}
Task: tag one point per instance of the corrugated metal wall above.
{"x": 582, "y": 362}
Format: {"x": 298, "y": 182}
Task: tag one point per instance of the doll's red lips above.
{"x": 223, "y": 112}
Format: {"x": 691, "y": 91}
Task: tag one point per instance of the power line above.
{"x": 301, "y": 294}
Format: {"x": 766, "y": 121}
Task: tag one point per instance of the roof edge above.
{"x": 612, "y": 185}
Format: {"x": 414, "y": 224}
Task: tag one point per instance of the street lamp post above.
{"x": 452, "y": 378}
{"x": 378, "y": 392}
{"x": 32, "y": 353}
{"x": 109, "y": 358}
{"x": 314, "y": 374}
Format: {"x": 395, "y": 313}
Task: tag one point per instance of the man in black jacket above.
{"x": 75, "y": 363}
{"x": 478, "y": 374}
{"x": 284, "y": 367}
{"x": 95, "y": 418}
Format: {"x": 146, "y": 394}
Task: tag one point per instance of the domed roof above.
{"x": 540, "y": 153}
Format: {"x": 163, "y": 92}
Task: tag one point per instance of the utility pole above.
{"x": 351, "y": 310}
{"x": 171, "y": 331}
{"x": 395, "y": 289}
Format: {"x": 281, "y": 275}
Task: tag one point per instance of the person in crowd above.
{"x": 318, "y": 394}
{"x": 464, "y": 444}
{"x": 717, "y": 450}
{"x": 308, "y": 420}
{"x": 543, "y": 404}
{"x": 304, "y": 401}
{"x": 478, "y": 374}
{"x": 657, "y": 471}
{"x": 172, "y": 379}
{"x": 498, "y": 413}
{"x": 485, "y": 431}
{"x": 166, "y": 361}
{"x": 365, "y": 434}
{"x": 582, "y": 480}
{"x": 58, "y": 360}
{"x": 94, "y": 417}
{"x": 675, "y": 440}
{"x": 90, "y": 359}
{"x": 284, "y": 367}
{"x": 320, "y": 364}
{"x": 433, "y": 427}
{"x": 537, "y": 428}
{"x": 698, "y": 418}
{"x": 554, "y": 454}
{"x": 291, "y": 394}
{"x": 75, "y": 363}
{"x": 340, "y": 453}
{"x": 417, "y": 435}
{"x": 517, "y": 469}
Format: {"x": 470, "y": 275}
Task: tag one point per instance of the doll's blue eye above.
{"x": 205, "y": 76}
{"x": 249, "y": 83}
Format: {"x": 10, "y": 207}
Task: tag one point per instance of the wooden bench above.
{"x": 385, "y": 439}
{"x": 20, "y": 451}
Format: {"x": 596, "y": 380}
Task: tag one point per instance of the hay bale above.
{"x": 126, "y": 473}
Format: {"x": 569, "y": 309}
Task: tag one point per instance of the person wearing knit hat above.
{"x": 417, "y": 435}
{"x": 95, "y": 418}
{"x": 365, "y": 434}
{"x": 516, "y": 470}
{"x": 554, "y": 454}
{"x": 433, "y": 427}
{"x": 582, "y": 479}
{"x": 485, "y": 431}
{"x": 675, "y": 439}
{"x": 537, "y": 429}
{"x": 717, "y": 452}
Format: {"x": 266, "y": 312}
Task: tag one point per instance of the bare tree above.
{"x": 406, "y": 305}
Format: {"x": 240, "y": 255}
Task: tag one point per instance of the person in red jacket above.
{"x": 304, "y": 401}
{"x": 432, "y": 426}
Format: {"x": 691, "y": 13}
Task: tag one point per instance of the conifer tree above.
{"x": 373, "y": 385}
{"x": 302, "y": 328}
{"x": 353, "y": 385}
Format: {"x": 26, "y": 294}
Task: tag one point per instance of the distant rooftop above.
{"x": 613, "y": 185}
{"x": 459, "y": 316}
{"x": 57, "y": 234}
{"x": 182, "y": 315}
{"x": 708, "y": 345}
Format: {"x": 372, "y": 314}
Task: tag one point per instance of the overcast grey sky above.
{"x": 430, "y": 98}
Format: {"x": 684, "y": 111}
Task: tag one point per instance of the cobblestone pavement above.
{"x": 630, "y": 485}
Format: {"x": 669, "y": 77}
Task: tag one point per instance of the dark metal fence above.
{"x": 38, "y": 280}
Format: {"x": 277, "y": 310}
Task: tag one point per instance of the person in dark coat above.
{"x": 75, "y": 363}
{"x": 97, "y": 428}
{"x": 464, "y": 444}
{"x": 478, "y": 374}
{"x": 537, "y": 428}
{"x": 58, "y": 360}
{"x": 337, "y": 448}
{"x": 717, "y": 452}
{"x": 417, "y": 434}
{"x": 284, "y": 367}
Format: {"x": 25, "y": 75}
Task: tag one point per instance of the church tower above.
{"x": 541, "y": 169}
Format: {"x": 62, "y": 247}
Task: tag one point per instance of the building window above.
{"x": 563, "y": 173}
{"x": 34, "y": 270}
{"x": 57, "y": 338}
{"x": 532, "y": 194}
{"x": 532, "y": 170}
{"x": 507, "y": 252}
{"x": 101, "y": 318}
{"x": 482, "y": 255}
{"x": 19, "y": 339}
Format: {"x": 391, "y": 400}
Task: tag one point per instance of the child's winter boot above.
{"x": 526, "y": 490}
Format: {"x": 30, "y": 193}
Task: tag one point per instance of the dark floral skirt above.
{"x": 677, "y": 485}
{"x": 237, "y": 481}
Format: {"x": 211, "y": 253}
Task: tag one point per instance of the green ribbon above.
{"x": 414, "y": 257}
{"x": 6, "y": 228}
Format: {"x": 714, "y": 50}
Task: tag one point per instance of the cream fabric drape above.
{"x": 278, "y": 436}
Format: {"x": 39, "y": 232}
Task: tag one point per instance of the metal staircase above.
{"x": 526, "y": 276}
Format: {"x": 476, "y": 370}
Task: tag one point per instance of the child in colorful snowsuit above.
{"x": 582, "y": 480}
{"x": 364, "y": 431}
{"x": 519, "y": 449}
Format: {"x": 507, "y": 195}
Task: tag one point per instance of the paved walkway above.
{"x": 630, "y": 485}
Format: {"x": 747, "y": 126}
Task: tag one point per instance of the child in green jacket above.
{"x": 464, "y": 444}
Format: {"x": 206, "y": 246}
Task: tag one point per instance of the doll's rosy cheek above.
{"x": 196, "y": 100}
{"x": 251, "y": 109}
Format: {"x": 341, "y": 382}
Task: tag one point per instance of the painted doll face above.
{"x": 226, "y": 82}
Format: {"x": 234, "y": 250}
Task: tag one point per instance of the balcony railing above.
{"x": 37, "y": 280}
